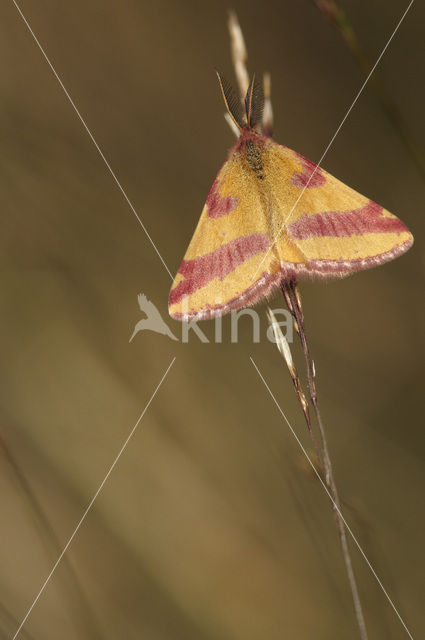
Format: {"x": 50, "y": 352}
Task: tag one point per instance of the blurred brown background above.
{"x": 210, "y": 527}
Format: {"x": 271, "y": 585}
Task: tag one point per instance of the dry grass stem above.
{"x": 239, "y": 54}
{"x": 268, "y": 110}
{"x": 232, "y": 124}
{"x": 285, "y": 350}
{"x": 293, "y": 300}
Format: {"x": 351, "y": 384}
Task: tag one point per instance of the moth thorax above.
{"x": 254, "y": 158}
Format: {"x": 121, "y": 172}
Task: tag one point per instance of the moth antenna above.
{"x": 254, "y": 102}
{"x": 232, "y": 102}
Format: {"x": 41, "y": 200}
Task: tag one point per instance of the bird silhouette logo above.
{"x": 153, "y": 320}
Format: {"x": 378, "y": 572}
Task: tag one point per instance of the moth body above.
{"x": 272, "y": 215}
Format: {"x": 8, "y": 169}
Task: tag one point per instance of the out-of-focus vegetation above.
{"x": 210, "y": 526}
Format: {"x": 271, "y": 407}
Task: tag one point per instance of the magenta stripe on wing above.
{"x": 310, "y": 176}
{"x": 218, "y": 205}
{"x": 368, "y": 219}
{"x": 217, "y": 264}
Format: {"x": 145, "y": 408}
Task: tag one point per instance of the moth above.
{"x": 272, "y": 215}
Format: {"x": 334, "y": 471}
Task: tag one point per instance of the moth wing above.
{"x": 337, "y": 230}
{"x": 230, "y": 241}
